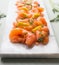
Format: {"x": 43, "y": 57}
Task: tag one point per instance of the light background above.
{"x": 4, "y": 8}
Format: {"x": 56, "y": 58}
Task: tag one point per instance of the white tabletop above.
{"x": 3, "y": 8}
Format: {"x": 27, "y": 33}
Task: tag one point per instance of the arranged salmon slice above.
{"x": 30, "y": 27}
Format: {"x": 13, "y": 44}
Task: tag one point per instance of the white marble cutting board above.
{"x": 8, "y": 48}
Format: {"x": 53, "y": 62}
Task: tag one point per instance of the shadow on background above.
{"x": 30, "y": 60}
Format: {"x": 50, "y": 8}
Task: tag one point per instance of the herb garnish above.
{"x": 40, "y": 39}
{"x": 2, "y": 16}
{"x": 55, "y": 10}
{"x": 55, "y": 19}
